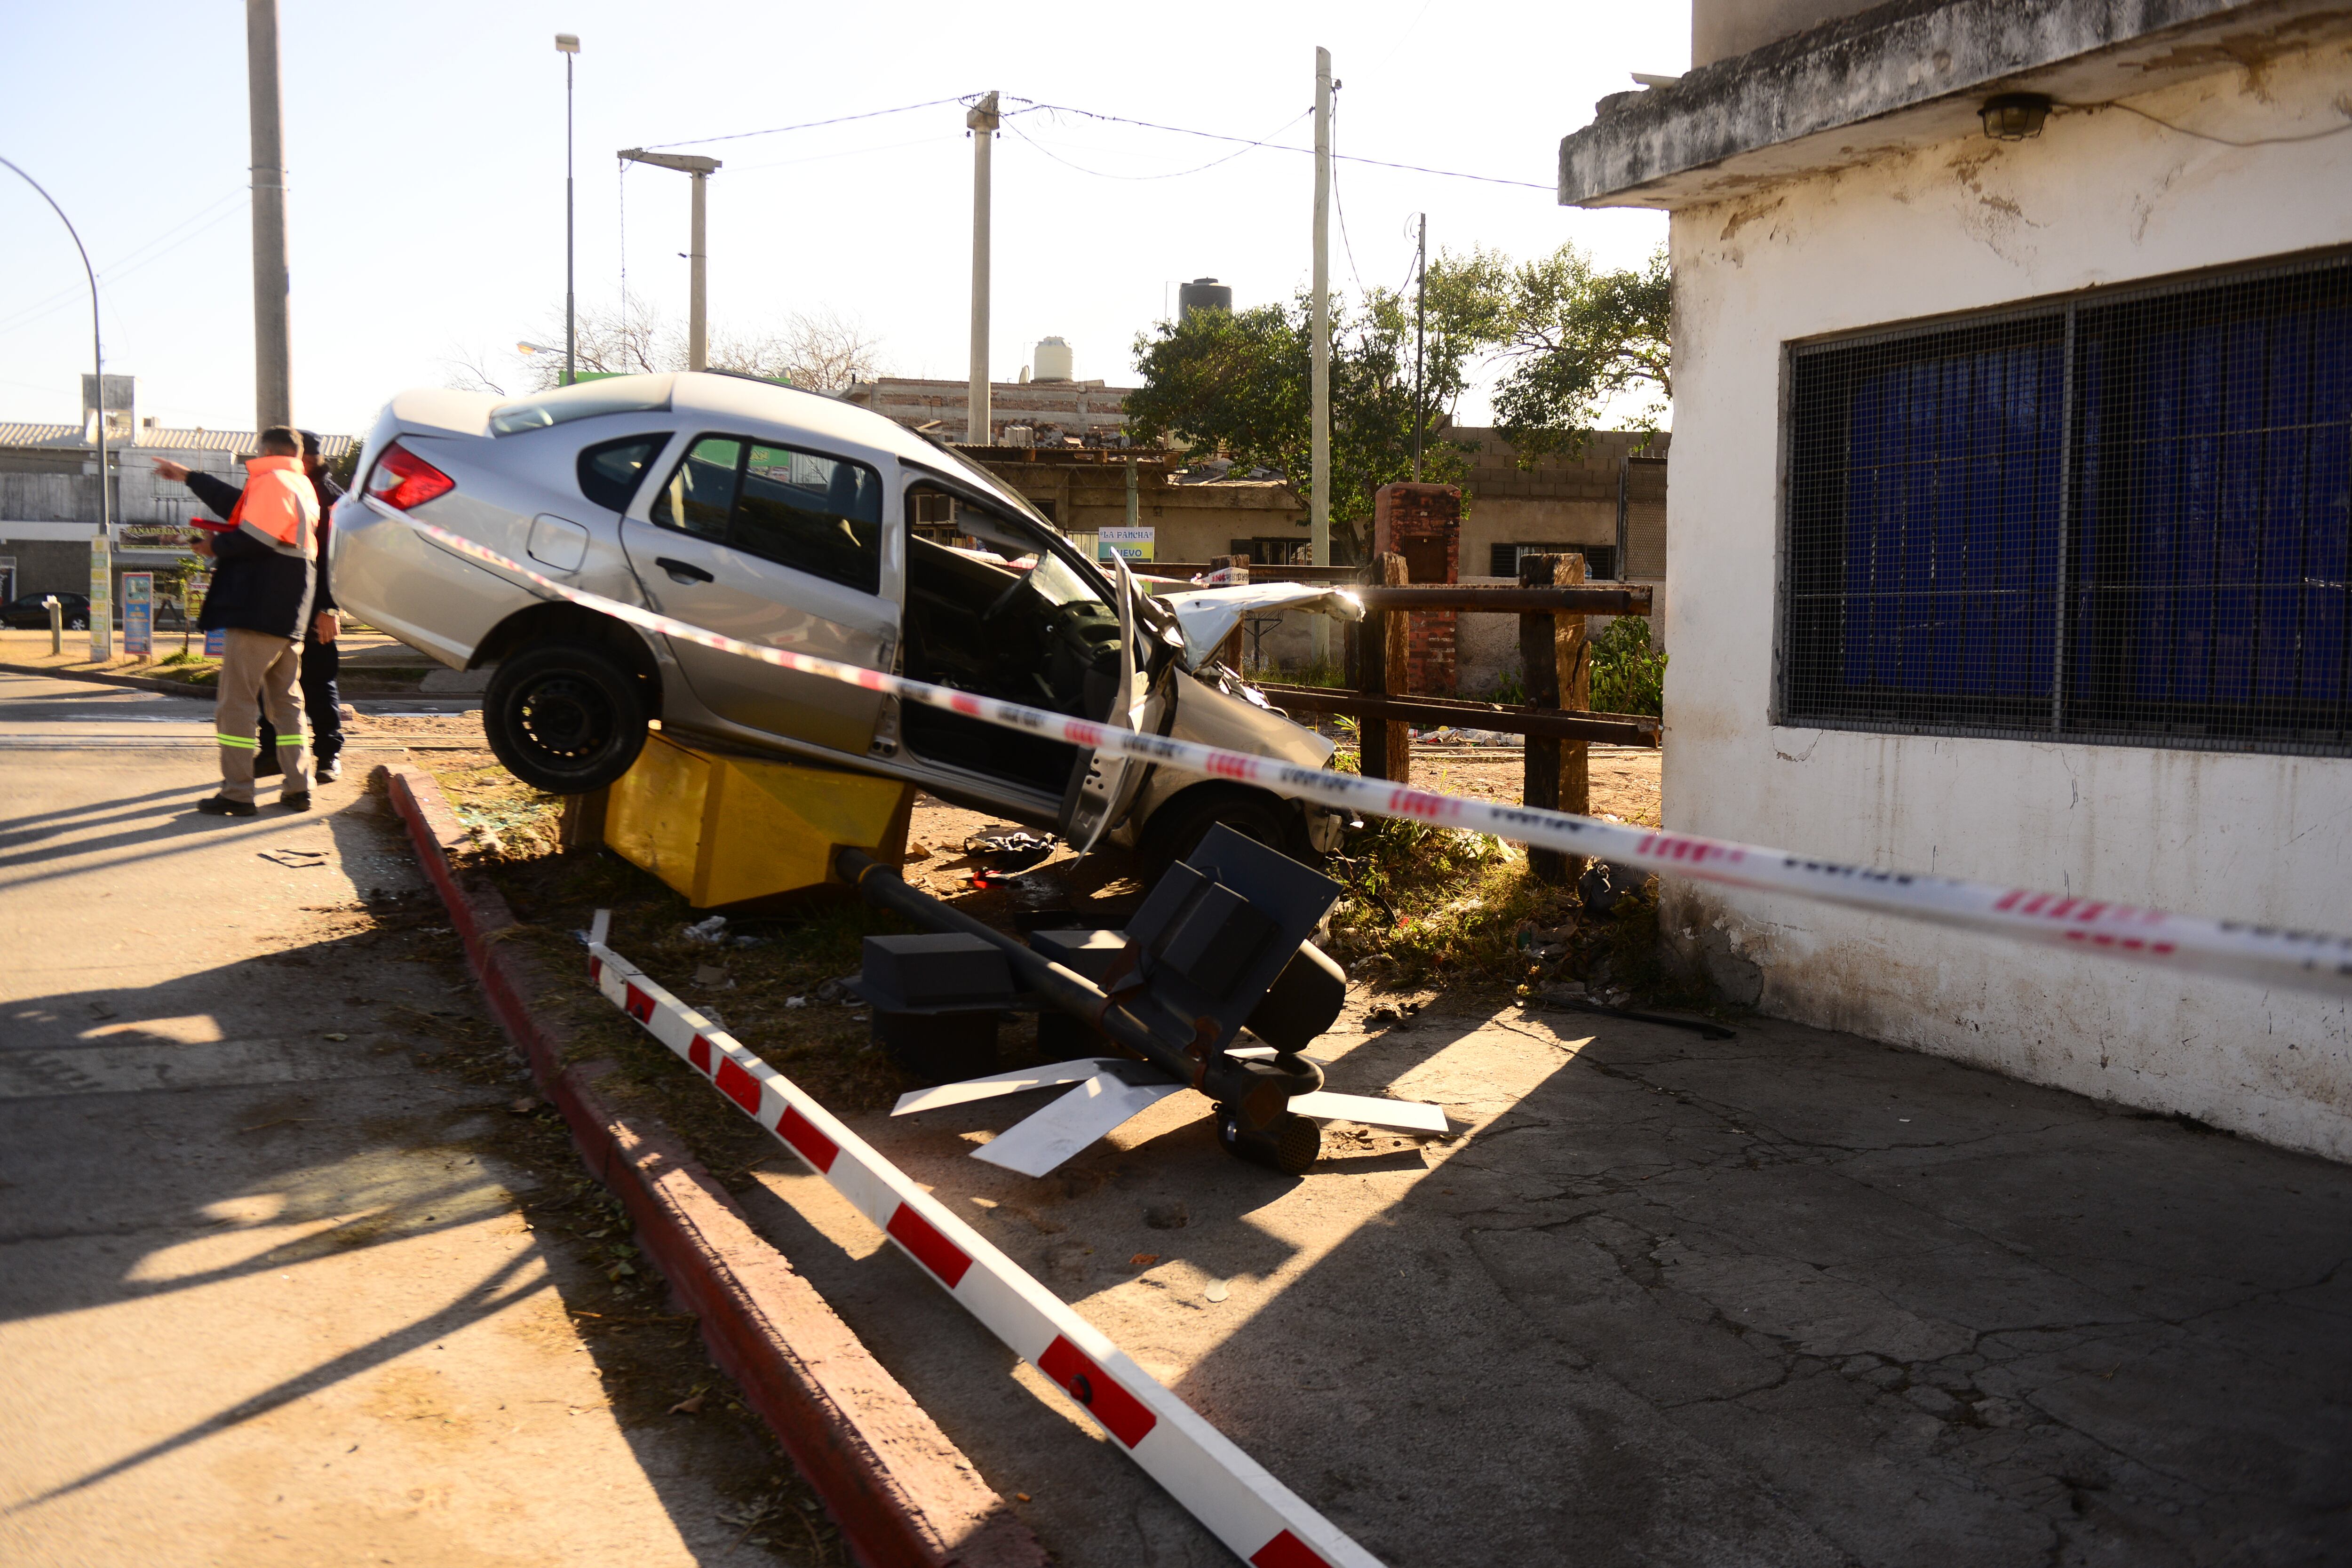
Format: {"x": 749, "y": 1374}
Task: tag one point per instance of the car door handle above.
{"x": 682, "y": 570}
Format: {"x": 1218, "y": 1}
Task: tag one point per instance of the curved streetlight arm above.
{"x": 97, "y": 352}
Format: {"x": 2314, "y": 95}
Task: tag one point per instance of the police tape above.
{"x": 1235, "y": 1498}
{"x": 2311, "y": 961}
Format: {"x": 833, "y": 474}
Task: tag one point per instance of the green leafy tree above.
{"x": 1577, "y": 340}
{"x": 1237, "y": 384}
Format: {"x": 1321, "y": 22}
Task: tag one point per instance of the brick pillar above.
{"x": 1423, "y": 524}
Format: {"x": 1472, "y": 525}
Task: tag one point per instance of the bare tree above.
{"x": 822, "y": 351}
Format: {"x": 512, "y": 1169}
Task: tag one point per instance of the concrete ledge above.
{"x": 901, "y": 1493}
{"x": 1913, "y": 69}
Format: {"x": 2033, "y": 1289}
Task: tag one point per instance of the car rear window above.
{"x": 584, "y": 400}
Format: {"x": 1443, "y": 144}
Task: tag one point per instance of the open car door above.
{"x": 1102, "y": 788}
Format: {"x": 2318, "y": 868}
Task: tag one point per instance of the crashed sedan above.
{"x": 785, "y": 518}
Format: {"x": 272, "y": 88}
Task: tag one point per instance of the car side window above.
{"x": 700, "y": 494}
{"x": 610, "y": 472}
{"x": 814, "y": 513}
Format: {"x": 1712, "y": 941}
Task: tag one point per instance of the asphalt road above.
{"x": 273, "y": 1289}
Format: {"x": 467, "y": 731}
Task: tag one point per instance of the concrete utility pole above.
{"x": 1319, "y": 504}
{"x": 697, "y": 321}
{"x": 568, "y": 45}
{"x": 1420, "y": 298}
{"x": 982, "y": 120}
{"x": 273, "y": 347}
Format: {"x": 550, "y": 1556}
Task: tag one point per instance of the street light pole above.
{"x": 101, "y": 548}
{"x": 568, "y": 44}
{"x": 697, "y": 298}
{"x": 982, "y": 119}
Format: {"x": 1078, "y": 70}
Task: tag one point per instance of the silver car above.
{"x": 786, "y": 518}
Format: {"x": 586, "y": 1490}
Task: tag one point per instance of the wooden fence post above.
{"x": 1553, "y": 655}
{"x": 1384, "y": 746}
{"x": 1229, "y": 652}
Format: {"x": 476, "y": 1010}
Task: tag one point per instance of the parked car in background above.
{"x": 785, "y": 518}
{"x": 32, "y": 610}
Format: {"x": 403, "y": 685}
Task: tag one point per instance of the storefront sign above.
{"x": 1133, "y": 543}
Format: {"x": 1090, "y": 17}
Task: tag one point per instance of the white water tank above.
{"x": 1051, "y": 360}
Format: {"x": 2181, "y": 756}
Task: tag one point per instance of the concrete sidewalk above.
{"x": 273, "y": 1289}
{"x": 1794, "y": 1298}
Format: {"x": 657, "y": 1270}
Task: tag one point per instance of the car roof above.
{"x": 720, "y": 396}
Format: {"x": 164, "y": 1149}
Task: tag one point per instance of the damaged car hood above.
{"x": 1207, "y": 616}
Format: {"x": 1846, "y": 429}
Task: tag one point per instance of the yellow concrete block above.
{"x": 729, "y": 831}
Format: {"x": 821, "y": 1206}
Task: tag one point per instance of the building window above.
{"x": 2123, "y": 519}
{"x": 1272, "y": 551}
{"x": 1600, "y": 560}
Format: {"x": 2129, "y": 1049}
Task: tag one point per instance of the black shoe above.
{"x": 329, "y": 769}
{"x": 293, "y": 800}
{"x": 221, "y": 805}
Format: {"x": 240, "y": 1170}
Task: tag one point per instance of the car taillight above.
{"x": 402, "y": 480}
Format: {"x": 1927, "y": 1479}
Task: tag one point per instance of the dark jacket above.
{"x": 255, "y": 587}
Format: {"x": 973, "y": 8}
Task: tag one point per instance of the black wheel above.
{"x": 565, "y": 716}
{"x": 1176, "y": 829}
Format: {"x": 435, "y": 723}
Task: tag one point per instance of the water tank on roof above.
{"x": 1053, "y": 361}
{"x": 1203, "y": 294}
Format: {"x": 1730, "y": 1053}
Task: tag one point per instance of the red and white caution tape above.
{"x": 1262, "y": 1521}
{"x": 2311, "y": 961}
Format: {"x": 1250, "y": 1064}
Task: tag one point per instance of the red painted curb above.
{"x": 901, "y": 1493}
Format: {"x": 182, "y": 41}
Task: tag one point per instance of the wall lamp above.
{"x": 2014, "y": 116}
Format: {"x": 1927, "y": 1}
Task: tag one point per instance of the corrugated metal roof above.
{"x": 156, "y": 438}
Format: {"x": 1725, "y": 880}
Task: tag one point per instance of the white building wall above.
{"x": 2099, "y": 198}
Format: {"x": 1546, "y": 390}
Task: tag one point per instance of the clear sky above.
{"x": 426, "y": 144}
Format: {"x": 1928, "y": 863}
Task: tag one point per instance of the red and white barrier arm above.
{"x": 2310, "y": 960}
{"x": 1263, "y": 1521}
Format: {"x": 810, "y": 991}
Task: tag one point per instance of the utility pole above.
{"x": 101, "y": 548}
{"x": 698, "y": 324}
{"x": 1319, "y": 504}
{"x": 568, "y": 45}
{"x": 273, "y": 347}
{"x": 1420, "y": 298}
{"x": 982, "y": 120}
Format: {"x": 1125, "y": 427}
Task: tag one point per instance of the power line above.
{"x": 813, "y": 124}
{"x": 1265, "y": 141}
{"x": 1217, "y": 136}
{"x": 124, "y": 265}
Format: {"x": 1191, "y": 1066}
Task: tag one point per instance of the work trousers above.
{"x": 259, "y": 673}
{"x": 322, "y": 704}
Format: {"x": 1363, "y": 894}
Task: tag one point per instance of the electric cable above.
{"x": 131, "y": 260}
{"x": 1265, "y": 141}
{"x": 2209, "y": 136}
{"x": 811, "y": 125}
{"x": 1218, "y": 136}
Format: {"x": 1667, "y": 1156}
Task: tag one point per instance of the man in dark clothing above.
{"x": 322, "y": 702}
{"x": 264, "y": 568}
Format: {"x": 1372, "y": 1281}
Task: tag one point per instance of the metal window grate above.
{"x": 2125, "y": 519}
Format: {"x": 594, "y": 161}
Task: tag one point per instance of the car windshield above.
{"x": 585, "y": 400}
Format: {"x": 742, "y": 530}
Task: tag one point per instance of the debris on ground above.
{"x": 712, "y": 930}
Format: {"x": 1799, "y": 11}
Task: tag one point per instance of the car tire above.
{"x": 1176, "y": 829}
{"x": 565, "y": 716}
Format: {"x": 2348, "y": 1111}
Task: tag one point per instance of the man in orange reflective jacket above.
{"x": 264, "y": 577}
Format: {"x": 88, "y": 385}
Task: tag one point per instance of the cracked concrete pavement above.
{"x": 283, "y": 1276}
{"x": 1794, "y": 1298}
